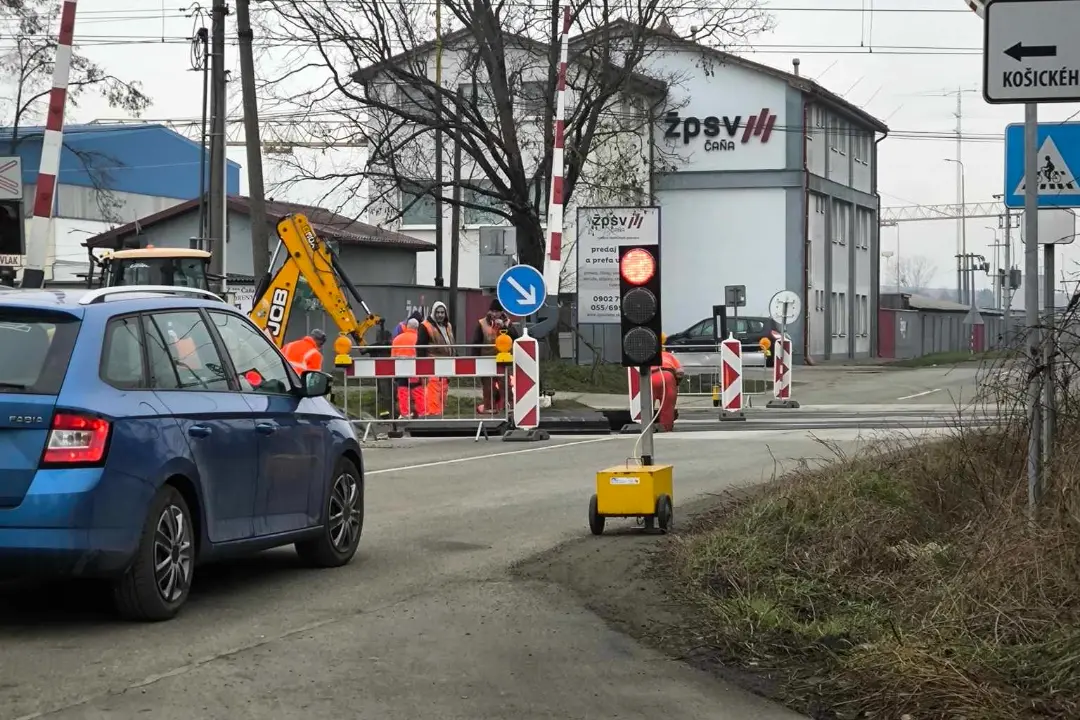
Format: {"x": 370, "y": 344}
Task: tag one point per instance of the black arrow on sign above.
{"x": 1019, "y": 52}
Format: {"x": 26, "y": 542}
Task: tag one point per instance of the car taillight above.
{"x": 76, "y": 439}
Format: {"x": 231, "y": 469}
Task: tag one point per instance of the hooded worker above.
{"x": 306, "y": 353}
{"x": 435, "y": 338}
{"x": 665, "y": 386}
{"x": 489, "y": 327}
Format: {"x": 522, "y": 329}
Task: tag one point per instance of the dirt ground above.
{"x": 621, "y": 577}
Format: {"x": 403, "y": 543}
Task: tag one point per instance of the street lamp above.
{"x": 963, "y": 236}
{"x": 888, "y": 254}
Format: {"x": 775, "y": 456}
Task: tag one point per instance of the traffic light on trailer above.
{"x": 639, "y": 306}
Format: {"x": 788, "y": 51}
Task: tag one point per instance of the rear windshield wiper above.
{"x": 12, "y": 386}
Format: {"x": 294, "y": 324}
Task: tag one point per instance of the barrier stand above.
{"x": 782, "y": 377}
{"x": 526, "y": 357}
{"x": 633, "y": 385}
{"x": 731, "y": 380}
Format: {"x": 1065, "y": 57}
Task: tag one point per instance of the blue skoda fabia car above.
{"x": 143, "y": 431}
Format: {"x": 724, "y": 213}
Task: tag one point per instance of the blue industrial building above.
{"x": 110, "y": 175}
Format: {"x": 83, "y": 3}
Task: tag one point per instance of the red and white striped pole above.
{"x": 731, "y": 370}
{"x": 41, "y": 241}
{"x": 555, "y": 197}
{"x": 526, "y": 414}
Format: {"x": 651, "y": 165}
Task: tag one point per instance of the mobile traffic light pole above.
{"x": 640, "y": 323}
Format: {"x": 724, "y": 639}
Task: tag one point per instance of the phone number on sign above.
{"x": 604, "y": 307}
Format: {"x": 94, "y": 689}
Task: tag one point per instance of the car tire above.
{"x": 157, "y": 583}
{"x": 344, "y": 507}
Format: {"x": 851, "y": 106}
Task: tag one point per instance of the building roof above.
{"x": 798, "y": 82}
{"x": 909, "y": 301}
{"x": 329, "y": 225}
{"x": 136, "y": 157}
{"x": 366, "y": 75}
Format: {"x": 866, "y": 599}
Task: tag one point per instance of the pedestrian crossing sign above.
{"x": 1055, "y": 177}
{"x": 1058, "y": 162}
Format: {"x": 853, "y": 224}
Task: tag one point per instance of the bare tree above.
{"x": 916, "y": 273}
{"x": 369, "y": 64}
{"x": 27, "y": 68}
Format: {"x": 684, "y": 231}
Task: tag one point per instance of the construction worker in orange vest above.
{"x": 410, "y": 391}
{"x": 489, "y": 327}
{"x": 304, "y": 354}
{"x": 665, "y": 386}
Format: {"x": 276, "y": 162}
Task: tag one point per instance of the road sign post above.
{"x": 784, "y": 309}
{"x": 1030, "y": 55}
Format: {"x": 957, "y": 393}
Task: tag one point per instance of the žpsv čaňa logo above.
{"x": 617, "y": 220}
{"x": 687, "y": 128}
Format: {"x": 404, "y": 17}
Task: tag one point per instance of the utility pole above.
{"x": 218, "y": 109}
{"x": 960, "y": 249}
{"x": 455, "y": 216}
{"x": 260, "y": 241}
{"x": 439, "y": 150}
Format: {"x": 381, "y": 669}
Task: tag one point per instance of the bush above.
{"x": 907, "y": 579}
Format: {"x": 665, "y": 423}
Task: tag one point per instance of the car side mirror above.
{"x": 314, "y": 383}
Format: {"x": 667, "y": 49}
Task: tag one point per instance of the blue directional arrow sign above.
{"x": 521, "y": 290}
{"x": 1058, "y": 161}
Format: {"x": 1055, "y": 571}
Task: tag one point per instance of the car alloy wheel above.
{"x": 345, "y": 512}
{"x": 174, "y": 553}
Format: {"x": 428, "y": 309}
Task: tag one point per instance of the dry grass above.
{"x": 905, "y": 580}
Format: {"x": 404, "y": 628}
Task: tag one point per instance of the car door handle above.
{"x": 199, "y": 431}
{"x": 266, "y": 428}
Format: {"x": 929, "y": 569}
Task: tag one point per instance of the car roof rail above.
{"x": 97, "y": 296}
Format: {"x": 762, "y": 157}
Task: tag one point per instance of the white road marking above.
{"x": 919, "y": 394}
{"x": 488, "y": 456}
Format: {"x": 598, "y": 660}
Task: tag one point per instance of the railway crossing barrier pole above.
{"x": 782, "y": 367}
{"x": 731, "y": 371}
{"x": 526, "y": 374}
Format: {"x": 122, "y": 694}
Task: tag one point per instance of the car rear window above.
{"x": 35, "y": 347}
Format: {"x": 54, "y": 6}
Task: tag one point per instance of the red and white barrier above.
{"x": 731, "y": 377}
{"x": 782, "y": 366}
{"x": 40, "y": 243}
{"x": 633, "y": 382}
{"x": 526, "y": 383}
{"x": 369, "y": 367}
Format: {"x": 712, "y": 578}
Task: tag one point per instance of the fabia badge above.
{"x": 25, "y": 419}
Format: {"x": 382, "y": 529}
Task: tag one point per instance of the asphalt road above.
{"x": 426, "y": 623}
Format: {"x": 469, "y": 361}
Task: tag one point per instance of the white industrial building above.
{"x": 763, "y": 179}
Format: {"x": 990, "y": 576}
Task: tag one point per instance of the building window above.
{"x": 412, "y": 101}
{"x": 843, "y": 137}
{"x": 475, "y": 196}
{"x": 819, "y": 204}
{"x": 417, "y": 203}
{"x": 841, "y": 222}
{"x": 864, "y": 316}
{"x": 839, "y": 314}
{"x": 533, "y": 98}
{"x": 862, "y": 148}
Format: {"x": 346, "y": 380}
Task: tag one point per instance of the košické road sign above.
{"x": 1031, "y": 51}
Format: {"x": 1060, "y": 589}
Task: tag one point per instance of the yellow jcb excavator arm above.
{"x": 310, "y": 258}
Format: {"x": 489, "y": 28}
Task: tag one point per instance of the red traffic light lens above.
{"x": 637, "y": 266}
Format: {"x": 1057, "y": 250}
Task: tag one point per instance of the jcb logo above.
{"x": 279, "y": 305}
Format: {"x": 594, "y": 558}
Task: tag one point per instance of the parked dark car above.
{"x": 749, "y": 330}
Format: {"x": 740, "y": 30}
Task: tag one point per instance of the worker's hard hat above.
{"x": 318, "y": 336}
{"x": 663, "y": 338}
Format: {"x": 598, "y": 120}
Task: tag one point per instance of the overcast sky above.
{"x": 903, "y": 62}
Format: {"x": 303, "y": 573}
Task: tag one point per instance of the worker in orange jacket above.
{"x": 665, "y": 386}
{"x": 305, "y": 353}
{"x": 410, "y": 391}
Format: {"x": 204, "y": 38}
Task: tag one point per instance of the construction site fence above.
{"x": 466, "y": 389}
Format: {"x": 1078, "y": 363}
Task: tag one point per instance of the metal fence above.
{"x": 702, "y": 379}
{"x": 399, "y": 395}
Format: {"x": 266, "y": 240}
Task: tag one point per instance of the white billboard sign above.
{"x": 601, "y": 231}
